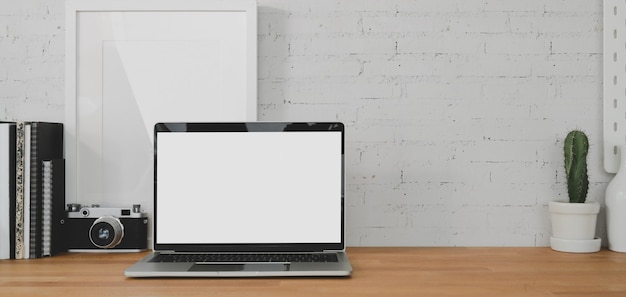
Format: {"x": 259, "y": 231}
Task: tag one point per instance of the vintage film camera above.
{"x": 100, "y": 229}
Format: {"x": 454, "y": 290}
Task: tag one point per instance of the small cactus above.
{"x": 575, "y": 148}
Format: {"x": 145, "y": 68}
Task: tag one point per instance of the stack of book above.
{"x": 32, "y": 189}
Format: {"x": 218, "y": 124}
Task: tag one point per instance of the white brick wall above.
{"x": 32, "y": 60}
{"x": 455, "y": 109}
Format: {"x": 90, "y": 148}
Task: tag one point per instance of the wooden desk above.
{"x": 377, "y": 272}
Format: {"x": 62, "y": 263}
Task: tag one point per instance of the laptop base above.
{"x": 144, "y": 268}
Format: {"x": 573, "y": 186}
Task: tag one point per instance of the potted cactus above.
{"x": 574, "y": 221}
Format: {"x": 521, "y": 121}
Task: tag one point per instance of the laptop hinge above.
{"x": 313, "y": 251}
{"x": 331, "y": 251}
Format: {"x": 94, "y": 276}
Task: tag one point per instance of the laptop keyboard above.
{"x": 296, "y": 257}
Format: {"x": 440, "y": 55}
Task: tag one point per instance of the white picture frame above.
{"x": 130, "y": 64}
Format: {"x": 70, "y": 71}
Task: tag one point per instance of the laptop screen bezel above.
{"x": 182, "y": 127}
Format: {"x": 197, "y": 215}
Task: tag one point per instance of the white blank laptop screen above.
{"x": 249, "y": 187}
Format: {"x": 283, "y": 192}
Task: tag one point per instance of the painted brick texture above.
{"x": 455, "y": 109}
{"x": 32, "y": 60}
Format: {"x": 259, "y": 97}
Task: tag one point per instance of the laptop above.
{"x": 254, "y": 199}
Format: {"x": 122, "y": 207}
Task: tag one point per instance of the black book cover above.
{"x": 12, "y": 182}
{"x": 46, "y": 144}
{"x": 58, "y": 242}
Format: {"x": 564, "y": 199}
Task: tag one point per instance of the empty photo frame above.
{"x": 130, "y": 64}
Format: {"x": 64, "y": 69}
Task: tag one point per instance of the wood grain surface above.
{"x": 377, "y": 272}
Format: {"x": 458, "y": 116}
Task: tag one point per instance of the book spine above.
{"x": 58, "y": 238}
{"x": 35, "y": 203}
{"x": 46, "y": 178}
{"x": 19, "y": 190}
{"x": 27, "y": 206}
{"x": 12, "y": 189}
{"x": 7, "y": 140}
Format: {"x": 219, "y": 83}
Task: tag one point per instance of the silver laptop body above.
{"x": 253, "y": 199}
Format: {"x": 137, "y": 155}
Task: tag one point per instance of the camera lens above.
{"x": 106, "y": 232}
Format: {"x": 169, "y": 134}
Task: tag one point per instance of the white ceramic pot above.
{"x": 574, "y": 226}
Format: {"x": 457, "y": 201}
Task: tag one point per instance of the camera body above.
{"x": 100, "y": 229}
